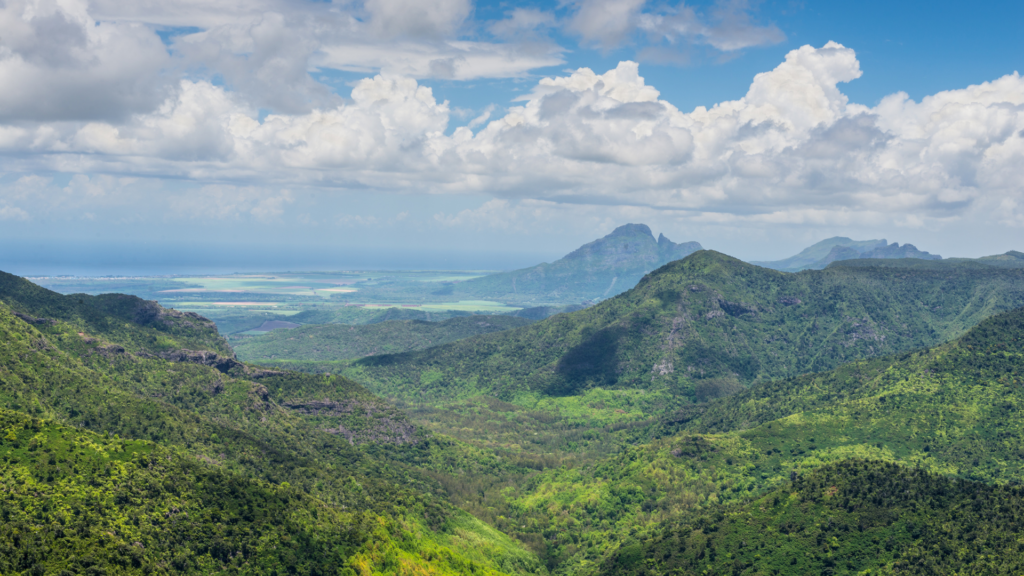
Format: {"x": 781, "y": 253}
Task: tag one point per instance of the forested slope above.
{"x": 854, "y": 517}
{"x": 707, "y": 320}
{"x": 342, "y": 457}
{"x": 953, "y": 410}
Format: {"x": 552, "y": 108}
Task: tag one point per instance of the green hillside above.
{"x": 79, "y": 502}
{"x": 953, "y": 410}
{"x": 341, "y": 342}
{"x": 699, "y": 326}
{"x": 134, "y": 442}
{"x": 855, "y": 517}
{"x": 600, "y": 269}
{"x": 342, "y": 457}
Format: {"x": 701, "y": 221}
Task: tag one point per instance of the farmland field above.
{"x": 241, "y": 302}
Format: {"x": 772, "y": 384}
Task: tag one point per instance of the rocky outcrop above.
{"x": 35, "y": 321}
{"x": 222, "y": 363}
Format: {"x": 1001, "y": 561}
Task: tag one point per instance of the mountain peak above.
{"x": 599, "y": 269}
{"x": 632, "y": 230}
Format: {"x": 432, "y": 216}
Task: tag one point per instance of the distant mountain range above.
{"x": 820, "y": 255}
{"x": 600, "y": 269}
{"x": 603, "y": 268}
{"x": 709, "y": 317}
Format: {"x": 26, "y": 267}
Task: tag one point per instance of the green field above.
{"x": 240, "y": 302}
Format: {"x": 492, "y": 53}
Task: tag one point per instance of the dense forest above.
{"x": 132, "y": 440}
{"x": 332, "y": 342}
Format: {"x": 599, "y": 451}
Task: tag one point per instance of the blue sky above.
{"x": 451, "y": 133}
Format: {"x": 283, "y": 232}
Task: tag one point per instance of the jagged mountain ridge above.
{"x": 838, "y": 248}
{"x": 597, "y": 270}
{"x": 600, "y": 269}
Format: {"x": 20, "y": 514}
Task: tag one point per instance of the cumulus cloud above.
{"x": 793, "y": 150}
{"x": 58, "y": 63}
{"x": 267, "y": 58}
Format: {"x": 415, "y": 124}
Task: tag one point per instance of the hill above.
{"x": 851, "y": 517}
{"x": 951, "y": 411}
{"x": 600, "y": 269}
{"x": 241, "y": 444}
{"x": 820, "y": 255}
{"x": 699, "y": 326}
{"x": 341, "y": 342}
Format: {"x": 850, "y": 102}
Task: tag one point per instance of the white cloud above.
{"x": 454, "y": 60}
{"x": 12, "y": 213}
{"x": 58, "y": 63}
{"x": 793, "y": 150}
{"x": 729, "y": 28}
{"x": 522, "y": 21}
{"x": 432, "y": 19}
{"x": 612, "y": 23}
{"x": 605, "y": 23}
{"x": 267, "y": 58}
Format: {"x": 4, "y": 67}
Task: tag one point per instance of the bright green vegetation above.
{"x": 77, "y": 501}
{"x": 600, "y": 269}
{"x": 698, "y": 327}
{"x": 839, "y": 248}
{"x": 953, "y": 410}
{"x": 280, "y": 469}
{"x": 855, "y": 517}
{"x": 719, "y": 418}
{"x": 340, "y": 342}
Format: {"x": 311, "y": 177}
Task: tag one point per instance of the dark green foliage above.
{"x": 341, "y": 342}
{"x": 708, "y": 316}
{"x": 846, "y": 518}
{"x": 77, "y": 501}
{"x": 954, "y": 409}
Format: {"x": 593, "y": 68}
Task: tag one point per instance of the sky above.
{"x": 165, "y": 136}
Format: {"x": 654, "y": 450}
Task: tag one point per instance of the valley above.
{"x": 717, "y": 417}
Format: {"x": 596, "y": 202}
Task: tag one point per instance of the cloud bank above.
{"x": 106, "y": 103}
{"x": 792, "y": 150}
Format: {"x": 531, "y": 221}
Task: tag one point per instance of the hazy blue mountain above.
{"x": 820, "y": 255}
{"x": 601, "y": 269}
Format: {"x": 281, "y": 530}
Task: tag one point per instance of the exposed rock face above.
{"x": 205, "y": 357}
{"x": 34, "y": 320}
